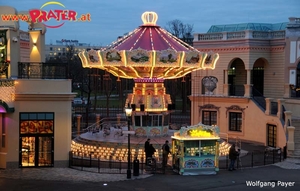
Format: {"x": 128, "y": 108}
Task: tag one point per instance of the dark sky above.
{"x": 113, "y": 18}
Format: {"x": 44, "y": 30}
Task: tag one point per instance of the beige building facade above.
{"x": 252, "y": 97}
{"x": 35, "y": 110}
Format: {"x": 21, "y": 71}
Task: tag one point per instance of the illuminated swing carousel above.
{"x": 149, "y": 55}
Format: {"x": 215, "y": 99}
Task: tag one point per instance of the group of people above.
{"x": 150, "y": 150}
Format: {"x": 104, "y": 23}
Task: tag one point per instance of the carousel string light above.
{"x": 165, "y": 39}
{"x": 124, "y": 38}
{"x": 151, "y": 40}
{"x": 180, "y": 42}
{"x": 138, "y": 38}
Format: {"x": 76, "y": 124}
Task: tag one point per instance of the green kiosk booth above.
{"x": 195, "y": 150}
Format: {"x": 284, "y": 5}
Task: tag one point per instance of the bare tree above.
{"x": 183, "y": 32}
{"x": 179, "y": 29}
{"x": 175, "y": 27}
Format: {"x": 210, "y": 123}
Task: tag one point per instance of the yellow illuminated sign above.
{"x": 199, "y": 133}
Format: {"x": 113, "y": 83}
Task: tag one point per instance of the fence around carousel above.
{"x": 111, "y": 166}
{"x": 249, "y": 160}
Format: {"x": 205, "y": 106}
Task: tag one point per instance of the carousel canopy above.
{"x": 149, "y": 52}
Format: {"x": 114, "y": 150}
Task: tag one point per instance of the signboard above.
{"x": 24, "y": 46}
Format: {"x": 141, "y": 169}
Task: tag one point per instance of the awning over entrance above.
{"x": 4, "y": 108}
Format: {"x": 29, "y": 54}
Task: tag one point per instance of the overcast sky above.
{"x": 113, "y": 18}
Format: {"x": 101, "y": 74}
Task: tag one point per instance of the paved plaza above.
{"x": 286, "y": 172}
{"x": 279, "y": 176}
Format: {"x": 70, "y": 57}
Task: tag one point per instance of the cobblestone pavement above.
{"x": 289, "y": 163}
{"x": 68, "y": 174}
{"x": 64, "y": 174}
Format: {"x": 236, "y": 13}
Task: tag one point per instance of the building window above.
{"x": 235, "y": 121}
{"x": 58, "y": 49}
{"x": 209, "y": 117}
{"x": 137, "y": 120}
{"x": 272, "y": 135}
{"x": 51, "y": 48}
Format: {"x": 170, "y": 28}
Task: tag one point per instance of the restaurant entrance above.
{"x": 36, "y": 145}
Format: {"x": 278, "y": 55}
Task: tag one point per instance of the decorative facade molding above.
{"x": 235, "y": 108}
{"x": 208, "y": 106}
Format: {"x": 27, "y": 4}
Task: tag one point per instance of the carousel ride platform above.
{"x": 114, "y": 146}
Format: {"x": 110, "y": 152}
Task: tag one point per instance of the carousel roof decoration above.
{"x": 198, "y": 131}
{"x": 149, "y": 52}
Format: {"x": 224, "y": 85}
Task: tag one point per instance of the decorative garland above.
{"x": 4, "y": 67}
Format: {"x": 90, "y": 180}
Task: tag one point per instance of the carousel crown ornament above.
{"x": 149, "y": 18}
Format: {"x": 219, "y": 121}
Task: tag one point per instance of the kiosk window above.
{"x": 191, "y": 148}
{"x": 208, "y": 147}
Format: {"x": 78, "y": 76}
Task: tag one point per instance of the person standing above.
{"x": 233, "y": 154}
{"x": 152, "y": 150}
{"x": 166, "y": 151}
{"x": 146, "y": 149}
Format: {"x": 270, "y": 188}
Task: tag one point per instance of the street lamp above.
{"x": 128, "y": 112}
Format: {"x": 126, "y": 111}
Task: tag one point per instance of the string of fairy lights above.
{"x": 151, "y": 40}
{"x": 160, "y": 41}
{"x": 137, "y": 40}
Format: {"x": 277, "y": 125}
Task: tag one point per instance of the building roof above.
{"x": 247, "y": 26}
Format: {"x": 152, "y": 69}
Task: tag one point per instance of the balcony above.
{"x": 38, "y": 70}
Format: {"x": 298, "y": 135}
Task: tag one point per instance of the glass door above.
{"x": 45, "y": 151}
{"x": 28, "y": 151}
{"x": 36, "y": 151}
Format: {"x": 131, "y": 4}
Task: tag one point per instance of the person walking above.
{"x": 166, "y": 151}
{"x": 233, "y": 154}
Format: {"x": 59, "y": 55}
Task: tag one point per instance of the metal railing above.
{"x": 260, "y": 158}
{"x": 258, "y": 98}
{"x": 236, "y": 90}
{"x": 111, "y": 166}
{"x": 176, "y": 117}
{"x": 251, "y": 159}
{"x": 39, "y": 70}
